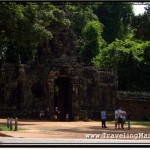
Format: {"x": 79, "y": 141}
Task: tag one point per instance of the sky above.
{"x": 138, "y": 9}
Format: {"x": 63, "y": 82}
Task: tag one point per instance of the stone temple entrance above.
{"x": 63, "y": 97}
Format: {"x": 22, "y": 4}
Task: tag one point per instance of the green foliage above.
{"x": 119, "y": 51}
{"x": 79, "y": 15}
{"x": 93, "y": 41}
{"x": 24, "y": 27}
{"x": 141, "y": 25}
{"x": 116, "y": 19}
{"x": 128, "y": 57}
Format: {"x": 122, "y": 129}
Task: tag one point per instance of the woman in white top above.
{"x": 123, "y": 119}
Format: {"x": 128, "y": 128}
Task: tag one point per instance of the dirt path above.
{"x": 69, "y": 130}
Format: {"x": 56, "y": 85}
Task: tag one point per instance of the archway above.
{"x": 63, "y": 97}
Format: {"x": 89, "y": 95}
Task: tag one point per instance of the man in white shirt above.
{"x": 122, "y": 115}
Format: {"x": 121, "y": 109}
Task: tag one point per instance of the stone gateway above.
{"x": 56, "y": 80}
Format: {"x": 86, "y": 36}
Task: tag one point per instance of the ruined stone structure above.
{"x": 74, "y": 89}
{"x": 137, "y": 102}
{"x": 57, "y": 79}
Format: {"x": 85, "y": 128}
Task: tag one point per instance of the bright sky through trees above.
{"x": 138, "y": 9}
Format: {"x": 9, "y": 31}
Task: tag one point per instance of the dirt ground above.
{"x": 68, "y": 130}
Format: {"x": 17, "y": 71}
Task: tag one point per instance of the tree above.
{"x": 116, "y": 19}
{"x": 141, "y": 24}
{"x": 147, "y": 8}
{"x": 79, "y": 14}
{"x": 24, "y": 27}
{"x": 93, "y": 41}
{"x": 129, "y": 59}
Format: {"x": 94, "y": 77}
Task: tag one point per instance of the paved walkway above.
{"x": 57, "y": 142}
{"x": 78, "y": 132}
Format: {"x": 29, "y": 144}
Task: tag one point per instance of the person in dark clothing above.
{"x": 103, "y": 118}
{"x": 129, "y": 119}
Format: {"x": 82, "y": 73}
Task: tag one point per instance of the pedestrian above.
{"x": 67, "y": 117}
{"x": 129, "y": 119}
{"x": 116, "y": 119}
{"x": 41, "y": 114}
{"x": 103, "y": 118}
{"x": 124, "y": 114}
{"x": 120, "y": 117}
{"x": 47, "y": 113}
{"x": 56, "y": 113}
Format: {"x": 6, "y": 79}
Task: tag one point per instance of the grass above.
{"x": 4, "y": 128}
{"x": 143, "y": 123}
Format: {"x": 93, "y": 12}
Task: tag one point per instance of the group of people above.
{"x": 56, "y": 116}
{"x": 120, "y": 118}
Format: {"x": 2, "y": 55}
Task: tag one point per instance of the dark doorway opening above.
{"x": 63, "y": 97}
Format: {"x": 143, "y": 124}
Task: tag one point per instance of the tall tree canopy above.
{"x": 93, "y": 41}
{"x": 103, "y": 31}
{"x": 79, "y": 15}
{"x": 23, "y": 27}
{"x": 116, "y": 19}
{"x": 87, "y": 27}
{"x": 128, "y": 56}
{"x": 141, "y": 25}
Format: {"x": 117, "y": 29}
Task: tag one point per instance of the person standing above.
{"x": 129, "y": 119}
{"x": 120, "y": 117}
{"x": 41, "y": 114}
{"x": 103, "y": 118}
{"x": 124, "y": 114}
{"x": 116, "y": 119}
